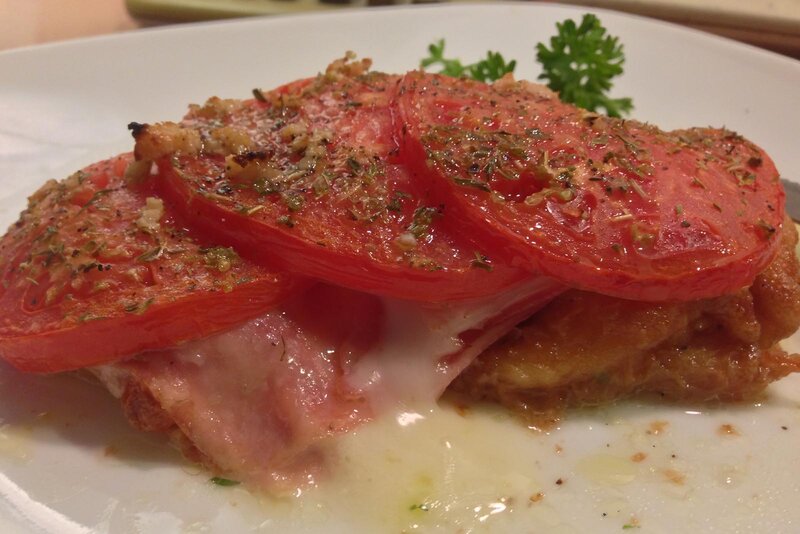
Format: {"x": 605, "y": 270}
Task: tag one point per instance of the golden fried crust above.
{"x": 775, "y": 291}
{"x": 585, "y": 348}
{"x": 145, "y": 413}
{"x": 143, "y": 410}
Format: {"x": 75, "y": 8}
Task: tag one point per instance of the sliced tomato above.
{"x": 306, "y": 178}
{"x": 95, "y": 270}
{"x": 607, "y": 205}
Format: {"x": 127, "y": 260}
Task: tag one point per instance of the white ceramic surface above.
{"x": 69, "y": 463}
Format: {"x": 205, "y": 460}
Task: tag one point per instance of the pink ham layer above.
{"x": 260, "y": 400}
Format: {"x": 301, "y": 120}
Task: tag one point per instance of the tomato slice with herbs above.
{"x": 306, "y": 178}
{"x": 607, "y": 205}
{"x": 97, "y": 269}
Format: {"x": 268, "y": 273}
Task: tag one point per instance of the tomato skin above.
{"x": 107, "y": 340}
{"x": 88, "y": 277}
{"x": 615, "y": 207}
{"x": 282, "y": 249}
{"x": 346, "y": 217}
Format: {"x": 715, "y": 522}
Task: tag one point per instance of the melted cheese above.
{"x": 422, "y": 348}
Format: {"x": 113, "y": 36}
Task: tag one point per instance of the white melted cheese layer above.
{"x": 410, "y": 364}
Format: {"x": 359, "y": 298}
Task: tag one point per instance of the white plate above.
{"x": 69, "y": 463}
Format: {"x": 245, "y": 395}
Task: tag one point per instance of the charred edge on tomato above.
{"x": 137, "y": 129}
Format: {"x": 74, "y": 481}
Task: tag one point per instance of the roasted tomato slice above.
{"x": 611, "y": 206}
{"x": 96, "y": 269}
{"x": 305, "y": 177}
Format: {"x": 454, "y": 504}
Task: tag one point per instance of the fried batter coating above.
{"x": 585, "y": 349}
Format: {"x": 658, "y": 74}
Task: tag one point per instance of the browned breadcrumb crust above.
{"x": 586, "y": 349}
{"x": 145, "y": 413}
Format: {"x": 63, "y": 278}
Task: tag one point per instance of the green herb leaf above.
{"x": 489, "y": 69}
{"x": 138, "y": 308}
{"x": 481, "y": 262}
{"x": 286, "y": 221}
{"x": 219, "y": 481}
{"x": 152, "y": 254}
{"x": 219, "y": 258}
{"x": 423, "y": 218}
{"x": 580, "y": 64}
{"x": 95, "y": 197}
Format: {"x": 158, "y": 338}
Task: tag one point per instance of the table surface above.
{"x": 28, "y": 22}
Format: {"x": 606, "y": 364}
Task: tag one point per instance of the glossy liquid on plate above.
{"x": 71, "y": 464}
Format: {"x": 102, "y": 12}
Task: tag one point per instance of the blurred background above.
{"x": 771, "y": 24}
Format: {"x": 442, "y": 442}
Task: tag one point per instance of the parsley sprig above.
{"x": 580, "y": 64}
{"x": 492, "y": 68}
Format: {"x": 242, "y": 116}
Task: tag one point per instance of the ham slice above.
{"x": 257, "y": 403}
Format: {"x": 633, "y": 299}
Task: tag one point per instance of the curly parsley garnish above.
{"x": 492, "y": 68}
{"x": 580, "y": 64}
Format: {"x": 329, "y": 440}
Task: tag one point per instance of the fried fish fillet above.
{"x": 585, "y": 349}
